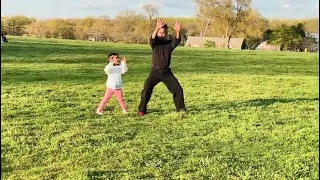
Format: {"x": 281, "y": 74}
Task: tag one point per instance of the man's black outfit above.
{"x": 161, "y": 72}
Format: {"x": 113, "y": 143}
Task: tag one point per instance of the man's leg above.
{"x": 174, "y": 87}
{"x": 149, "y": 84}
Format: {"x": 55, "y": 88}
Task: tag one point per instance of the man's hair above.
{"x": 112, "y": 54}
{"x": 165, "y": 26}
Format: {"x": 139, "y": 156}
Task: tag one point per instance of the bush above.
{"x": 210, "y": 44}
{"x": 252, "y": 43}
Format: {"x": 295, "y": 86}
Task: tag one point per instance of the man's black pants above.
{"x": 162, "y": 75}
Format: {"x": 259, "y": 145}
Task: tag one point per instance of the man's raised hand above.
{"x": 176, "y": 26}
{"x": 160, "y": 23}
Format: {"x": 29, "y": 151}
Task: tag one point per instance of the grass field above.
{"x": 251, "y": 115}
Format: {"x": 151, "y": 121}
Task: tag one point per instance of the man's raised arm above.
{"x": 154, "y": 33}
{"x": 177, "y": 38}
{"x": 158, "y": 26}
{"x": 153, "y": 37}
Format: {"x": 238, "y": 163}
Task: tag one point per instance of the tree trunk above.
{"x": 202, "y": 24}
{"x": 207, "y": 26}
{"x": 228, "y": 44}
{"x": 225, "y": 37}
{"x": 150, "y": 25}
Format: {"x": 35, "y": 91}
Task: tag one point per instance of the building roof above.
{"x": 235, "y": 43}
{"x": 315, "y": 35}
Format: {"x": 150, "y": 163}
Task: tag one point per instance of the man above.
{"x": 161, "y": 72}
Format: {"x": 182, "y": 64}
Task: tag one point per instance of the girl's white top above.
{"x": 114, "y": 73}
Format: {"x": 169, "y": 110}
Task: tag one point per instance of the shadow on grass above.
{"x": 217, "y": 62}
{"x": 116, "y": 174}
{"x": 267, "y": 102}
{"x": 245, "y": 104}
{"x": 156, "y": 110}
{"x": 47, "y": 50}
{"x": 75, "y": 75}
{"x": 80, "y": 72}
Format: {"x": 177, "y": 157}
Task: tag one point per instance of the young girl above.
{"x": 114, "y": 69}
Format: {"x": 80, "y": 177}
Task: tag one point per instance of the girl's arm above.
{"x": 108, "y": 67}
{"x": 124, "y": 67}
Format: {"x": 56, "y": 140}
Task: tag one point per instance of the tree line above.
{"x": 220, "y": 18}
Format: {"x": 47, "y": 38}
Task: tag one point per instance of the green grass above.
{"x": 252, "y": 115}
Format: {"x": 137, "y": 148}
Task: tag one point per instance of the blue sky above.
{"x": 44, "y": 9}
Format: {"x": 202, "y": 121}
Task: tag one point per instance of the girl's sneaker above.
{"x": 125, "y": 111}
{"x": 99, "y": 112}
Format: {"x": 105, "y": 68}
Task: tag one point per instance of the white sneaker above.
{"x": 99, "y": 113}
{"x": 125, "y": 111}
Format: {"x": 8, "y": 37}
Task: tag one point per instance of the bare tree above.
{"x": 152, "y": 10}
{"x": 206, "y": 14}
{"x": 231, "y": 13}
{"x": 228, "y": 13}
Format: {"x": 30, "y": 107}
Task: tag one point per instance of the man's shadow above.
{"x": 247, "y": 103}
{"x": 108, "y": 174}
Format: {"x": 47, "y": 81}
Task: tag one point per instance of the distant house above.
{"x": 96, "y": 36}
{"x": 220, "y": 42}
{"x": 264, "y": 46}
{"x": 316, "y": 36}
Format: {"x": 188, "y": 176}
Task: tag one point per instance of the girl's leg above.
{"x": 106, "y": 98}
{"x": 120, "y": 99}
